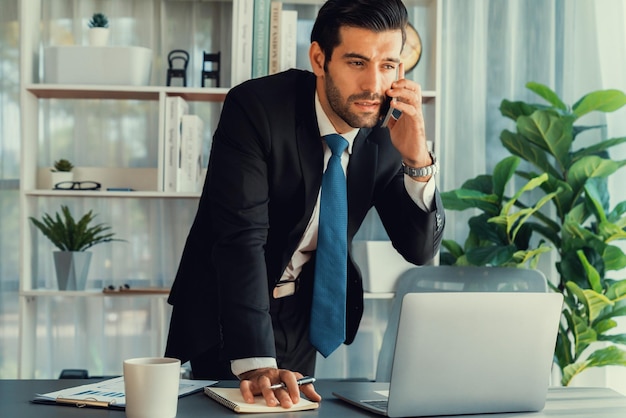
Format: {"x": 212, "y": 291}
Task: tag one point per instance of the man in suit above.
{"x": 242, "y": 295}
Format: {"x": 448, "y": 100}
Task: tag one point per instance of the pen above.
{"x": 304, "y": 381}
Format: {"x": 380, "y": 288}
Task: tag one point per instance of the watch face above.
{"x": 412, "y": 51}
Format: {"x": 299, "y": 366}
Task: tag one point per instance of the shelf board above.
{"x": 87, "y": 293}
{"x": 210, "y": 94}
{"x": 140, "y": 292}
{"x": 106, "y": 194}
{"x": 71, "y": 91}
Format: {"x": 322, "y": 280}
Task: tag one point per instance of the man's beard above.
{"x": 343, "y": 109}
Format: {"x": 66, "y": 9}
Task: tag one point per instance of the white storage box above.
{"x": 103, "y": 65}
{"x": 380, "y": 265}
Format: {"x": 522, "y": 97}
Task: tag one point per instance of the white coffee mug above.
{"x": 151, "y": 386}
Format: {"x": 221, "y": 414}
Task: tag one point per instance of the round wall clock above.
{"x": 412, "y": 51}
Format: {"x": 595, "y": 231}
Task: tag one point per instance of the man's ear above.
{"x": 316, "y": 56}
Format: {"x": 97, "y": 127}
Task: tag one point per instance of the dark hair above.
{"x": 375, "y": 15}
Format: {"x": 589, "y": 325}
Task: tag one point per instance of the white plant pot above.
{"x": 72, "y": 268}
{"x": 60, "y": 176}
{"x": 98, "y": 36}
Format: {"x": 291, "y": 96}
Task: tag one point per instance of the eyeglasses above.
{"x": 77, "y": 185}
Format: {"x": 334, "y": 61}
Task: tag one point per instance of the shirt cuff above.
{"x": 246, "y": 364}
{"x": 422, "y": 193}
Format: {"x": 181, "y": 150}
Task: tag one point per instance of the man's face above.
{"x": 361, "y": 69}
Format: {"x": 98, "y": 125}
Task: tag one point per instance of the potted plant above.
{"x": 73, "y": 239}
{"x": 583, "y": 231}
{"x": 98, "y": 29}
{"x": 61, "y": 171}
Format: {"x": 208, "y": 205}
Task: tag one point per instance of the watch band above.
{"x": 422, "y": 171}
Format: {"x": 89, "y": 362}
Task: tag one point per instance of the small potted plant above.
{"x": 61, "y": 172}
{"x": 98, "y": 29}
{"x": 73, "y": 239}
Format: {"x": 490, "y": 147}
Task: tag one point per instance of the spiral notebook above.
{"x": 232, "y": 399}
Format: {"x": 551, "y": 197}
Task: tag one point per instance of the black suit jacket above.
{"x": 262, "y": 183}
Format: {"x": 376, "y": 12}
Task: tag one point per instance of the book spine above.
{"x": 243, "y": 17}
{"x": 288, "y": 39}
{"x": 274, "y": 46}
{"x": 190, "y": 167}
{"x": 175, "y": 108}
{"x": 261, "y": 38}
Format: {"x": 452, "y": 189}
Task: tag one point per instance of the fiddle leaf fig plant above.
{"x": 583, "y": 229}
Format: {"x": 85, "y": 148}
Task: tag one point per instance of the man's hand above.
{"x": 408, "y": 133}
{"x": 258, "y": 382}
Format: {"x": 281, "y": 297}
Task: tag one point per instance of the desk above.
{"x": 15, "y": 398}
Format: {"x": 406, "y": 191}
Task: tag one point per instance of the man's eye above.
{"x": 356, "y": 63}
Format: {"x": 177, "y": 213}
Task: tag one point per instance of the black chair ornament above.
{"x": 212, "y": 60}
{"x": 178, "y": 59}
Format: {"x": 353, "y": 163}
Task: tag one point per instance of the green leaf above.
{"x": 531, "y": 256}
{"x": 549, "y": 131}
{"x": 604, "y": 325}
{"x": 601, "y": 146}
{"x": 613, "y": 338}
{"x": 591, "y": 273}
{"x": 513, "y": 110}
{"x": 588, "y": 167}
{"x": 491, "y": 256}
{"x": 594, "y": 302}
{"x": 481, "y": 183}
{"x": 614, "y": 258}
{"x": 602, "y": 100}
{"x": 461, "y": 199}
{"x": 572, "y": 370}
{"x": 584, "y": 335}
{"x": 502, "y": 173}
{"x": 520, "y": 146}
{"x": 453, "y": 247}
{"x": 607, "y": 356}
{"x": 545, "y": 92}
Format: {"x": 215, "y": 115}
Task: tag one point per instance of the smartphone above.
{"x": 386, "y": 110}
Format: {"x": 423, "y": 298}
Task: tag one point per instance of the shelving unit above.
{"x": 38, "y": 302}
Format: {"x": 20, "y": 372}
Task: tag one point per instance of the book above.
{"x": 261, "y": 38}
{"x": 190, "y": 156}
{"x": 175, "y": 108}
{"x": 108, "y": 393}
{"x": 276, "y": 8}
{"x": 241, "y": 61}
{"x": 288, "y": 39}
{"x": 232, "y": 399}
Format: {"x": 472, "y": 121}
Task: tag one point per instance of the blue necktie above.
{"x": 328, "y": 311}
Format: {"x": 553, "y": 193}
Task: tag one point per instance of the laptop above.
{"x": 466, "y": 353}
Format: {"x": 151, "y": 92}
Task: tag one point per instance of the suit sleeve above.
{"x": 237, "y": 188}
{"x": 414, "y": 232}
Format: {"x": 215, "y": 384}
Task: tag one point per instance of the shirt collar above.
{"x": 326, "y": 127}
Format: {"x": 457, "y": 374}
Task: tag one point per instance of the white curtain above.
{"x": 491, "y": 48}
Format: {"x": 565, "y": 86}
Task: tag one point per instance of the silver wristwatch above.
{"x": 422, "y": 171}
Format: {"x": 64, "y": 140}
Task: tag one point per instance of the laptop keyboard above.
{"x": 380, "y": 404}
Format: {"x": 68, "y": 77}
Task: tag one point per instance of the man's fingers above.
{"x": 310, "y": 393}
{"x": 246, "y": 391}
